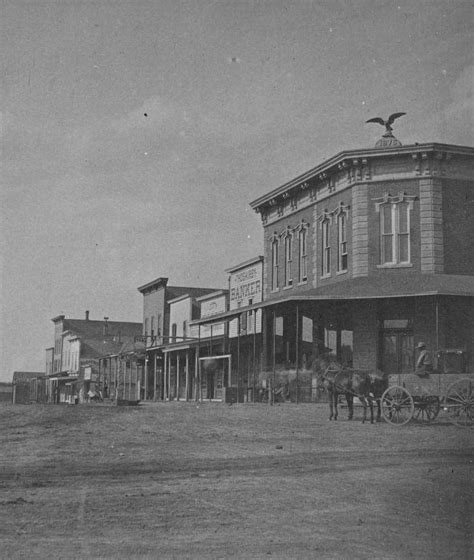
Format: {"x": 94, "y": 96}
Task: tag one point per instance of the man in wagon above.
{"x": 424, "y": 365}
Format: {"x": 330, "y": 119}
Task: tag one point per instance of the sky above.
{"x": 136, "y": 133}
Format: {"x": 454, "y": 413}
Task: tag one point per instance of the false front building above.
{"x": 364, "y": 256}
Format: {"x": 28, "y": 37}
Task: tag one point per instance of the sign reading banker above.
{"x": 245, "y": 285}
{"x": 245, "y": 288}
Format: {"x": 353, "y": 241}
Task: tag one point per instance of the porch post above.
{"x": 297, "y": 350}
{"x": 98, "y": 377}
{"x": 199, "y": 364}
{"x": 254, "y": 353}
{"x": 270, "y": 389}
{"x": 145, "y": 377}
{"x": 155, "y": 357}
{"x": 196, "y": 380}
{"x": 177, "y": 376}
{"x": 187, "y": 376}
{"x": 167, "y": 376}
{"x": 238, "y": 356}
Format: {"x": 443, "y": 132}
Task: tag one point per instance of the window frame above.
{"x": 325, "y": 247}
{"x": 275, "y": 249}
{"x": 394, "y": 233}
{"x": 342, "y": 252}
{"x": 288, "y": 259}
{"x": 303, "y": 255}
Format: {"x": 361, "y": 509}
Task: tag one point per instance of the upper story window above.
{"x": 158, "y": 326}
{"x": 174, "y": 330}
{"x": 275, "y": 257}
{"x": 395, "y": 233}
{"x": 342, "y": 242}
{"x": 326, "y": 247}
{"x": 185, "y": 324}
{"x": 302, "y": 255}
{"x": 288, "y": 259}
{"x": 146, "y": 327}
{"x": 395, "y": 239}
{"x": 152, "y": 328}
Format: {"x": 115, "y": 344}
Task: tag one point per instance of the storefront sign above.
{"x": 246, "y": 285}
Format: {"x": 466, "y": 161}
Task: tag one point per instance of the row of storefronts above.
{"x": 363, "y": 257}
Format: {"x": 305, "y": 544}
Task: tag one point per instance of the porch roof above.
{"x": 189, "y": 343}
{"x": 378, "y": 287}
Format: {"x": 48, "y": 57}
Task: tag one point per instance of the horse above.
{"x": 351, "y": 383}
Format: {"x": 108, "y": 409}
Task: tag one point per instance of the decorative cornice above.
{"x": 356, "y": 164}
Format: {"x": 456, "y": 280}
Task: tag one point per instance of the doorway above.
{"x": 398, "y": 351}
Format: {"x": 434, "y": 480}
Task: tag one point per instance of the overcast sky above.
{"x": 135, "y": 134}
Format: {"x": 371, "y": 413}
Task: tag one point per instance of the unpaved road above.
{"x": 187, "y": 481}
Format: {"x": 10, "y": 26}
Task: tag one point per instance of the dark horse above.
{"x": 367, "y": 387}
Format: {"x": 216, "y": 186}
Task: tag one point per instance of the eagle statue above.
{"x": 387, "y": 124}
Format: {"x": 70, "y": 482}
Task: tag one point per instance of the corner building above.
{"x": 364, "y": 256}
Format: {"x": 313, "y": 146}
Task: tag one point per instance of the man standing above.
{"x": 424, "y": 366}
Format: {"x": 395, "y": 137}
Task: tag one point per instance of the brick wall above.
{"x": 458, "y": 227}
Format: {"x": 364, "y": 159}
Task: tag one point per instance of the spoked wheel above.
{"x": 459, "y": 402}
{"x": 397, "y": 405}
{"x": 426, "y": 409}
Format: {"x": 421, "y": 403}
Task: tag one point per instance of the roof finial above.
{"x": 388, "y": 140}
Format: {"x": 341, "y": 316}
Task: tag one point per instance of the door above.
{"x": 398, "y": 351}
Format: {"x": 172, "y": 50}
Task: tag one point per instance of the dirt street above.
{"x": 179, "y": 481}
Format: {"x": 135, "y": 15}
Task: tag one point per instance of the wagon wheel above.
{"x": 459, "y": 402}
{"x": 427, "y": 409}
{"x": 397, "y": 405}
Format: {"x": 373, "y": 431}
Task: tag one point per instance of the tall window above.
{"x": 288, "y": 258}
{"x": 275, "y": 264}
{"x": 326, "y": 248}
{"x": 146, "y": 327}
{"x": 174, "y": 329}
{"x": 152, "y": 329}
{"x": 184, "y": 328}
{"x": 395, "y": 233}
{"x": 302, "y": 259}
{"x": 341, "y": 242}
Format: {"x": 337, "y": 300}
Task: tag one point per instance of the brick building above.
{"x": 365, "y": 255}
